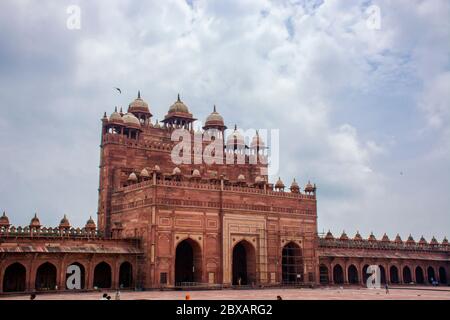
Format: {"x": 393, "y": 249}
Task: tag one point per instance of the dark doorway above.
{"x": 126, "y": 275}
{"x": 407, "y": 278}
{"x": 291, "y": 264}
{"x": 338, "y": 274}
{"x": 431, "y": 275}
{"x": 394, "y": 274}
{"x": 244, "y": 264}
{"x": 82, "y": 274}
{"x": 419, "y": 276}
{"x": 382, "y": 275}
{"x": 46, "y": 277}
{"x": 324, "y": 277}
{"x": 442, "y": 275}
{"x": 14, "y": 278}
{"x": 102, "y": 276}
{"x": 352, "y": 274}
{"x": 188, "y": 263}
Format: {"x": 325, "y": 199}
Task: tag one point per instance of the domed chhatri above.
{"x": 178, "y": 107}
{"x": 196, "y": 173}
{"x": 235, "y": 140}
{"x": 309, "y": 188}
{"x": 343, "y": 236}
{"x": 372, "y": 237}
{"x": 214, "y": 121}
{"x": 139, "y": 106}
{"x": 64, "y": 223}
{"x": 176, "y": 171}
{"x": 4, "y": 220}
{"x": 257, "y": 142}
{"x": 116, "y": 117}
{"x": 144, "y": 173}
{"x": 398, "y": 239}
{"x": 130, "y": 120}
{"x": 295, "y": 187}
{"x": 329, "y": 235}
{"x": 385, "y": 238}
{"x": 179, "y": 115}
{"x": 35, "y": 223}
{"x": 357, "y": 236}
{"x": 132, "y": 177}
{"x": 90, "y": 224}
{"x": 279, "y": 184}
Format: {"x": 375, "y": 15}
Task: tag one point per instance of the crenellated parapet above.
{"x": 137, "y": 180}
{"x": 329, "y": 241}
{"x": 35, "y": 229}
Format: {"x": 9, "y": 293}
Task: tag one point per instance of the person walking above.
{"x": 387, "y": 288}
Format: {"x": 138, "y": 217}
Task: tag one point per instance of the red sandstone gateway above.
{"x": 161, "y": 225}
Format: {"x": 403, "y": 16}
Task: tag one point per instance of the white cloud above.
{"x": 265, "y": 64}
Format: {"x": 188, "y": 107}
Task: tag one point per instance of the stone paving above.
{"x": 329, "y": 293}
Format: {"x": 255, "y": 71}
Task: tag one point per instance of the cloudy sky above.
{"x": 362, "y": 111}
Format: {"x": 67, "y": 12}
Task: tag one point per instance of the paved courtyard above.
{"x": 332, "y": 293}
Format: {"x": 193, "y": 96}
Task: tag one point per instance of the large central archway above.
{"x": 244, "y": 263}
{"x": 292, "y": 264}
{"x": 188, "y": 262}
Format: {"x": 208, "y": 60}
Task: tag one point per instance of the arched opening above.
{"x": 126, "y": 275}
{"x": 46, "y": 277}
{"x": 323, "y": 271}
{"x": 394, "y": 274}
{"x": 292, "y": 264}
{"x": 442, "y": 275}
{"x": 431, "y": 275}
{"x": 244, "y": 263}
{"x": 188, "y": 263}
{"x": 407, "y": 278}
{"x": 365, "y": 275}
{"x": 382, "y": 275}
{"x": 14, "y": 278}
{"x": 338, "y": 274}
{"x": 419, "y": 275}
{"x": 71, "y": 281}
{"x": 102, "y": 275}
{"x": 352, "y": 274}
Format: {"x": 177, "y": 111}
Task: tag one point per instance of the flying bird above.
{"x": 118, "y": 89}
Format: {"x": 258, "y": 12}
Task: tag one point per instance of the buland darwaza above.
{"x": 204, "y": 225}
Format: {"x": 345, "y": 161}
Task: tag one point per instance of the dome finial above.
{"x": 139, "y": 94}
{"x": 235, "y": 127}
{"x": 115, "y": 109}
{"x": 214, "y": 109}
{"x": 178, "y": 99}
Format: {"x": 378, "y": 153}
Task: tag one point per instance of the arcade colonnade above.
{"x": 50, "y": 274}
{"x": 348, "y": 272}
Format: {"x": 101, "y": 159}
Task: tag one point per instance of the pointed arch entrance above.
{"x": 324, "y": 277}
{"x": 338, "y": 274}
{"x": 14, "y": 278}
{"x": 393, "y": 271}
{"x": 442, "y": 275}
{"x": 420, "y": 279}
{"x": 102, "y": 275}
{"x": 353, "y": 274}
{"x": 407, "y": 277}
{"x": 244, "y": 263}
{"x": 292, "y": 264}
{"x": 46, "y": 277}
{"x": 188, "y": 262}
{"x": 126, "y": 275}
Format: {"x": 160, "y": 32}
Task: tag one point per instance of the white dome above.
{"x": 144, "y": 173}
{"x": 132, "y": 177}
{"x": 176, "y": 171}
